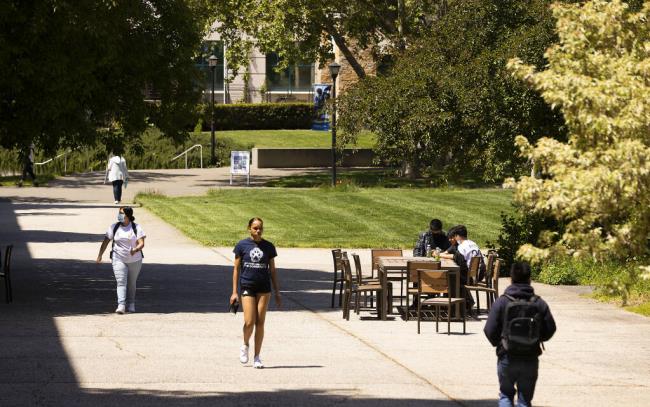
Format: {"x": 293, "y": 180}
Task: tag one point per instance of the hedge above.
{"x": 258, "y": 116}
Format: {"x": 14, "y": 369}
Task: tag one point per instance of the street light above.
{"x": 334, "y": 72}
{"x": 212, "y": 63}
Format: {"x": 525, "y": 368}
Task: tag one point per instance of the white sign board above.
{"x": 240, "y": 164}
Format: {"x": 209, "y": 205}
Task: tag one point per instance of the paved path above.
{"x": 90, "y": 187}
{"x": 60, "y": 343}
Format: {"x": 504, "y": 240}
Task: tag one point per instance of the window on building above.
{"x": 211, "y": 48}
{"x": 295, "y": 78}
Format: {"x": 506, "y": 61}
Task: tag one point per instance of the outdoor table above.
{"x": 398, "y": 265}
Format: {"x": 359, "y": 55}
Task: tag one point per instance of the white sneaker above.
{"x": 120, "y": 309}
{"x": 257, "y": 363}
{"x": 243, "y": 354}
{"x": 131, "y": 308}
{"x": 116, "y": 202}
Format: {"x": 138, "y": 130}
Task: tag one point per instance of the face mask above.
{"x": 120, "y": 217}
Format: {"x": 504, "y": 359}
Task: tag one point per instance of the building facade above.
{"x": 259, "y": 82}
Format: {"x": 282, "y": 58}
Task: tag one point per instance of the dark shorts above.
{"x": 255, "y": 290}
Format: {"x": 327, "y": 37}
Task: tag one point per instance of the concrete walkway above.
{"x": 60, "y": 343}
{"x": 90, "y": 187}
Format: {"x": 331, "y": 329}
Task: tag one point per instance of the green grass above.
{"x": 374, "y": 177}
{"x": 352, "y": 217}
{"x": 602, "y": 275}
{"x": 12, "y": 181}
{"x": 288, "y": 138}
{"x": 643, "y": 309}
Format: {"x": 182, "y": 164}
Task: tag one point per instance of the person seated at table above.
{"x": 453, "y": 253}
{"x": 468, "y": 249}
{"x": 453, "y": 245}
{"x": 434, "y": 238}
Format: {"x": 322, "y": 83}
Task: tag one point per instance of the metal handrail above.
{"x": 187, "y": 151}
{"x": 65, "y": 160}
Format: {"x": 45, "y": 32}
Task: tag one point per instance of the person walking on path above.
{"x": 126, "y": 254}
{"x": 253, "y": 274}
{"x": 518, "y": 323}
{"x": 118, "y": 175}
{"x": 28, "y": 166}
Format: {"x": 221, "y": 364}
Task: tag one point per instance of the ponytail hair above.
{"x": 128, "y": 212}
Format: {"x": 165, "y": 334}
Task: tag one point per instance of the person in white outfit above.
{"x": 117, "y": 173}
{"x": 128, "y": 241}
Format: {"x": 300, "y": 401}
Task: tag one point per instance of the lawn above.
{"x": 322, "y": 217}
{"x": 287, "y": 138}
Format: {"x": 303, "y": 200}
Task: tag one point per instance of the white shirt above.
{"x": 125, "y": 240}
{"x": 116, "y": 169}
{"x": 468, "y": 249}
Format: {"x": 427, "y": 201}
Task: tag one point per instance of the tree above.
{"x": 72, "y": 73}
{"x": 449, "y": 104}
{"x": 597, "y": 183}
{"x": 301, "y": 29}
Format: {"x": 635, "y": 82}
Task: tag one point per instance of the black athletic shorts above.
{"x": 254, "y": 290}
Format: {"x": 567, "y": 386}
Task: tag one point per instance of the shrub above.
{"x": 560, "y": 273}
{"x": 521, "y": 227}
{"x": 259, "y": 116}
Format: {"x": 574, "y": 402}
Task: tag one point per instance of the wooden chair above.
{"x": 388, "y": 253}
{"x": 338, "y": 275}
{"x": 472, "y": 279}
{"x": 5, "y": 272}
{"x": 354, "y": 289}
{"x": 496, "y": 270}
{"x": 360, "y": 280}
{"x": 437, "y": 282}
{"x": 359, "y": 273}
{"x": 374, "y": 253}
{"x": 412, "y": 278}
{"x": 491, "y": 284}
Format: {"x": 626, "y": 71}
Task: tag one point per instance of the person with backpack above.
{"x": 126, "y": 255}
{"x": 518, "y": 324}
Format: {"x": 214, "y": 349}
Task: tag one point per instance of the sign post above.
{"x": 240, "y": 165}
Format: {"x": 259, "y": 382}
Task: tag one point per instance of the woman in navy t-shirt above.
{"x": 253, "y": 274}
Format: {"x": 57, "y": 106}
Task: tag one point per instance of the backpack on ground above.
{"x": 117, "y": 226}
{"x": 521, "y": 326}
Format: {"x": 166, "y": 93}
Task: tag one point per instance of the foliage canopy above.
{"x": 303, "y": 29}
{"x": 74, "y": 72}
{"x": 597, "y": 183}
{"x": 449, "y": 103}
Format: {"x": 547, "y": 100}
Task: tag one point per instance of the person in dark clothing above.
{"x": 434, "y": 238}
{"x": 517, "y": 370}
{"x": 28, "y": 166}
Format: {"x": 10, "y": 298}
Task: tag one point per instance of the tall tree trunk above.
{"x": 349, "y": 56}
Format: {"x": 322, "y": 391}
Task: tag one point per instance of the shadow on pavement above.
{"x": 37, "y": 369}
{"x": 90, "y": 179}
{"x": 307, "y": 397}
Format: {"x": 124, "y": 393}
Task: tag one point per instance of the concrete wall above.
{"x": 308, "y": 157}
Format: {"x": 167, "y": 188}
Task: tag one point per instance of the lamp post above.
{"x": 212, "y": 63}
{"x": 334, "y": 72}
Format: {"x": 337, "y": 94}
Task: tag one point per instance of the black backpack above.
{"x": 135, "y": 231}
{"x": 521, "y": 327}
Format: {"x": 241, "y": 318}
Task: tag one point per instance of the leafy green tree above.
{"x": 597, "y": 183}
{"x": 73, "y": 73}
{"x": 301, "y": 29}
{"x": 449, "y": 104}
